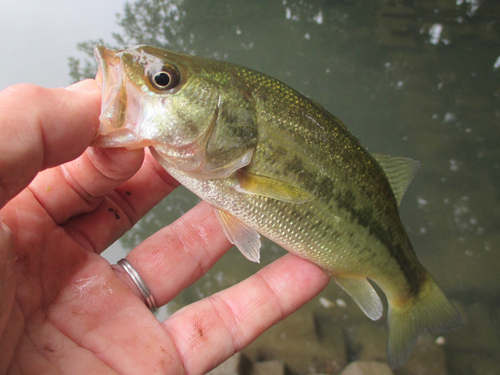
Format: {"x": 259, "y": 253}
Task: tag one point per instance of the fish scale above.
{"x": 271, "y": 161}
{"x": 296, "y": 167}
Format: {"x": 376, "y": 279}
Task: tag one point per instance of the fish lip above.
{"x": 120, "y": 106}
{"x": 104, "y": 57}
{"x": 106, "y": 78}
{"x": 101, "y": 71}
{"x": 109, "y": 77}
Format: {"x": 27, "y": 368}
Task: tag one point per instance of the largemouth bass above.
{"x": 271, "y": 161}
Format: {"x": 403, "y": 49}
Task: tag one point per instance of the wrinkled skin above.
{"x": 63, "y": 308}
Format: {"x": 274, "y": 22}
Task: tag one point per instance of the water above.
{"x": 415, "y": 79}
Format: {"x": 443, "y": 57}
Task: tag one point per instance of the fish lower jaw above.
{"x": 120, "y": 138}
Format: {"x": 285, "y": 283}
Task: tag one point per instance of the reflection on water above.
{"x": 416, "y": 79}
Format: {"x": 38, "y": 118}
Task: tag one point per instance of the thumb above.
{"x": 42, "y": 128}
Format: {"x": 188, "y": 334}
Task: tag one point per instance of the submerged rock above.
{"x": 295, "y": 341}
{"x": 238, "y": 364}
{"x": 427, "y": 358}
{"x": 274, "y": 367}
{"x": 367, "y": 368}
{"x": 367, "y": 342}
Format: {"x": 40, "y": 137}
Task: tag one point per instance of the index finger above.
{"x": 42, "y": 128}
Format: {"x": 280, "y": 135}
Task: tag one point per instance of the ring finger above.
{"x": 179, "y": 254}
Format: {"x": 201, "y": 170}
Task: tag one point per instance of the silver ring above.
{"x": 139, "y": 283}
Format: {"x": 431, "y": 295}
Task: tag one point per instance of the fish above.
{"x": 273, "y": 162}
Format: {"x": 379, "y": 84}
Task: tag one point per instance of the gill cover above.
{"x": 196, "y": 122}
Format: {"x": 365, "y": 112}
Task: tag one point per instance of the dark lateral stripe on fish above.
{"x": 296, "y": 167}
{"x": 364, "y": 217}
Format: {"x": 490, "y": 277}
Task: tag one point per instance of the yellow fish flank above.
{"x": 274, "y": 162}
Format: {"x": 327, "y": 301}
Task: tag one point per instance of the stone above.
{"x": 274, "y": 367}
{"x": 295, "y": 341}
{"x": 427, "y": 357}
{"x": 238, "y": 364}
{"x": 367, "y": 368}
{"x": 367, "y": 341}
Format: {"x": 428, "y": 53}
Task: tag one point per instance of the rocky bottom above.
{"x": 331, "y": 336}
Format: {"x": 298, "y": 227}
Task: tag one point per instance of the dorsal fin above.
{"x": 399, "y": 172}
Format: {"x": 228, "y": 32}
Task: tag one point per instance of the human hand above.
{"x": 64, "y": 308}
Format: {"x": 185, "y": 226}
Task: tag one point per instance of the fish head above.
{"x": 173, "y": 103}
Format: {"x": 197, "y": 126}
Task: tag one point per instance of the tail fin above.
{"x": 430, "y": 311}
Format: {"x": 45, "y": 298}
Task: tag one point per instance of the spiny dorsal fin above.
{"x": 399, "y": 172}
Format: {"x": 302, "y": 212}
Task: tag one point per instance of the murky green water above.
{"x": 409, "y": 78}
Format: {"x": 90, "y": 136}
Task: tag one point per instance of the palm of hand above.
{"x": 64, "y": 309}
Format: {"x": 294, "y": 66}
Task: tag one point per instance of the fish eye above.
{"x": 164, "y": 77}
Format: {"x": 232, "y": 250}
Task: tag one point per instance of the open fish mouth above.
{"x": 120, "y": 108}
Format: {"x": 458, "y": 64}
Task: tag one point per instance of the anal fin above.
{"x": 246, "y": 239}
{"x": 363, "y": 294}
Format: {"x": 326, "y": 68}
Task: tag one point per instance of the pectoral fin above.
{"x": 250, "y": 183}
{"x": 363, "y": 294}
{"x": 246, "y": 239}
